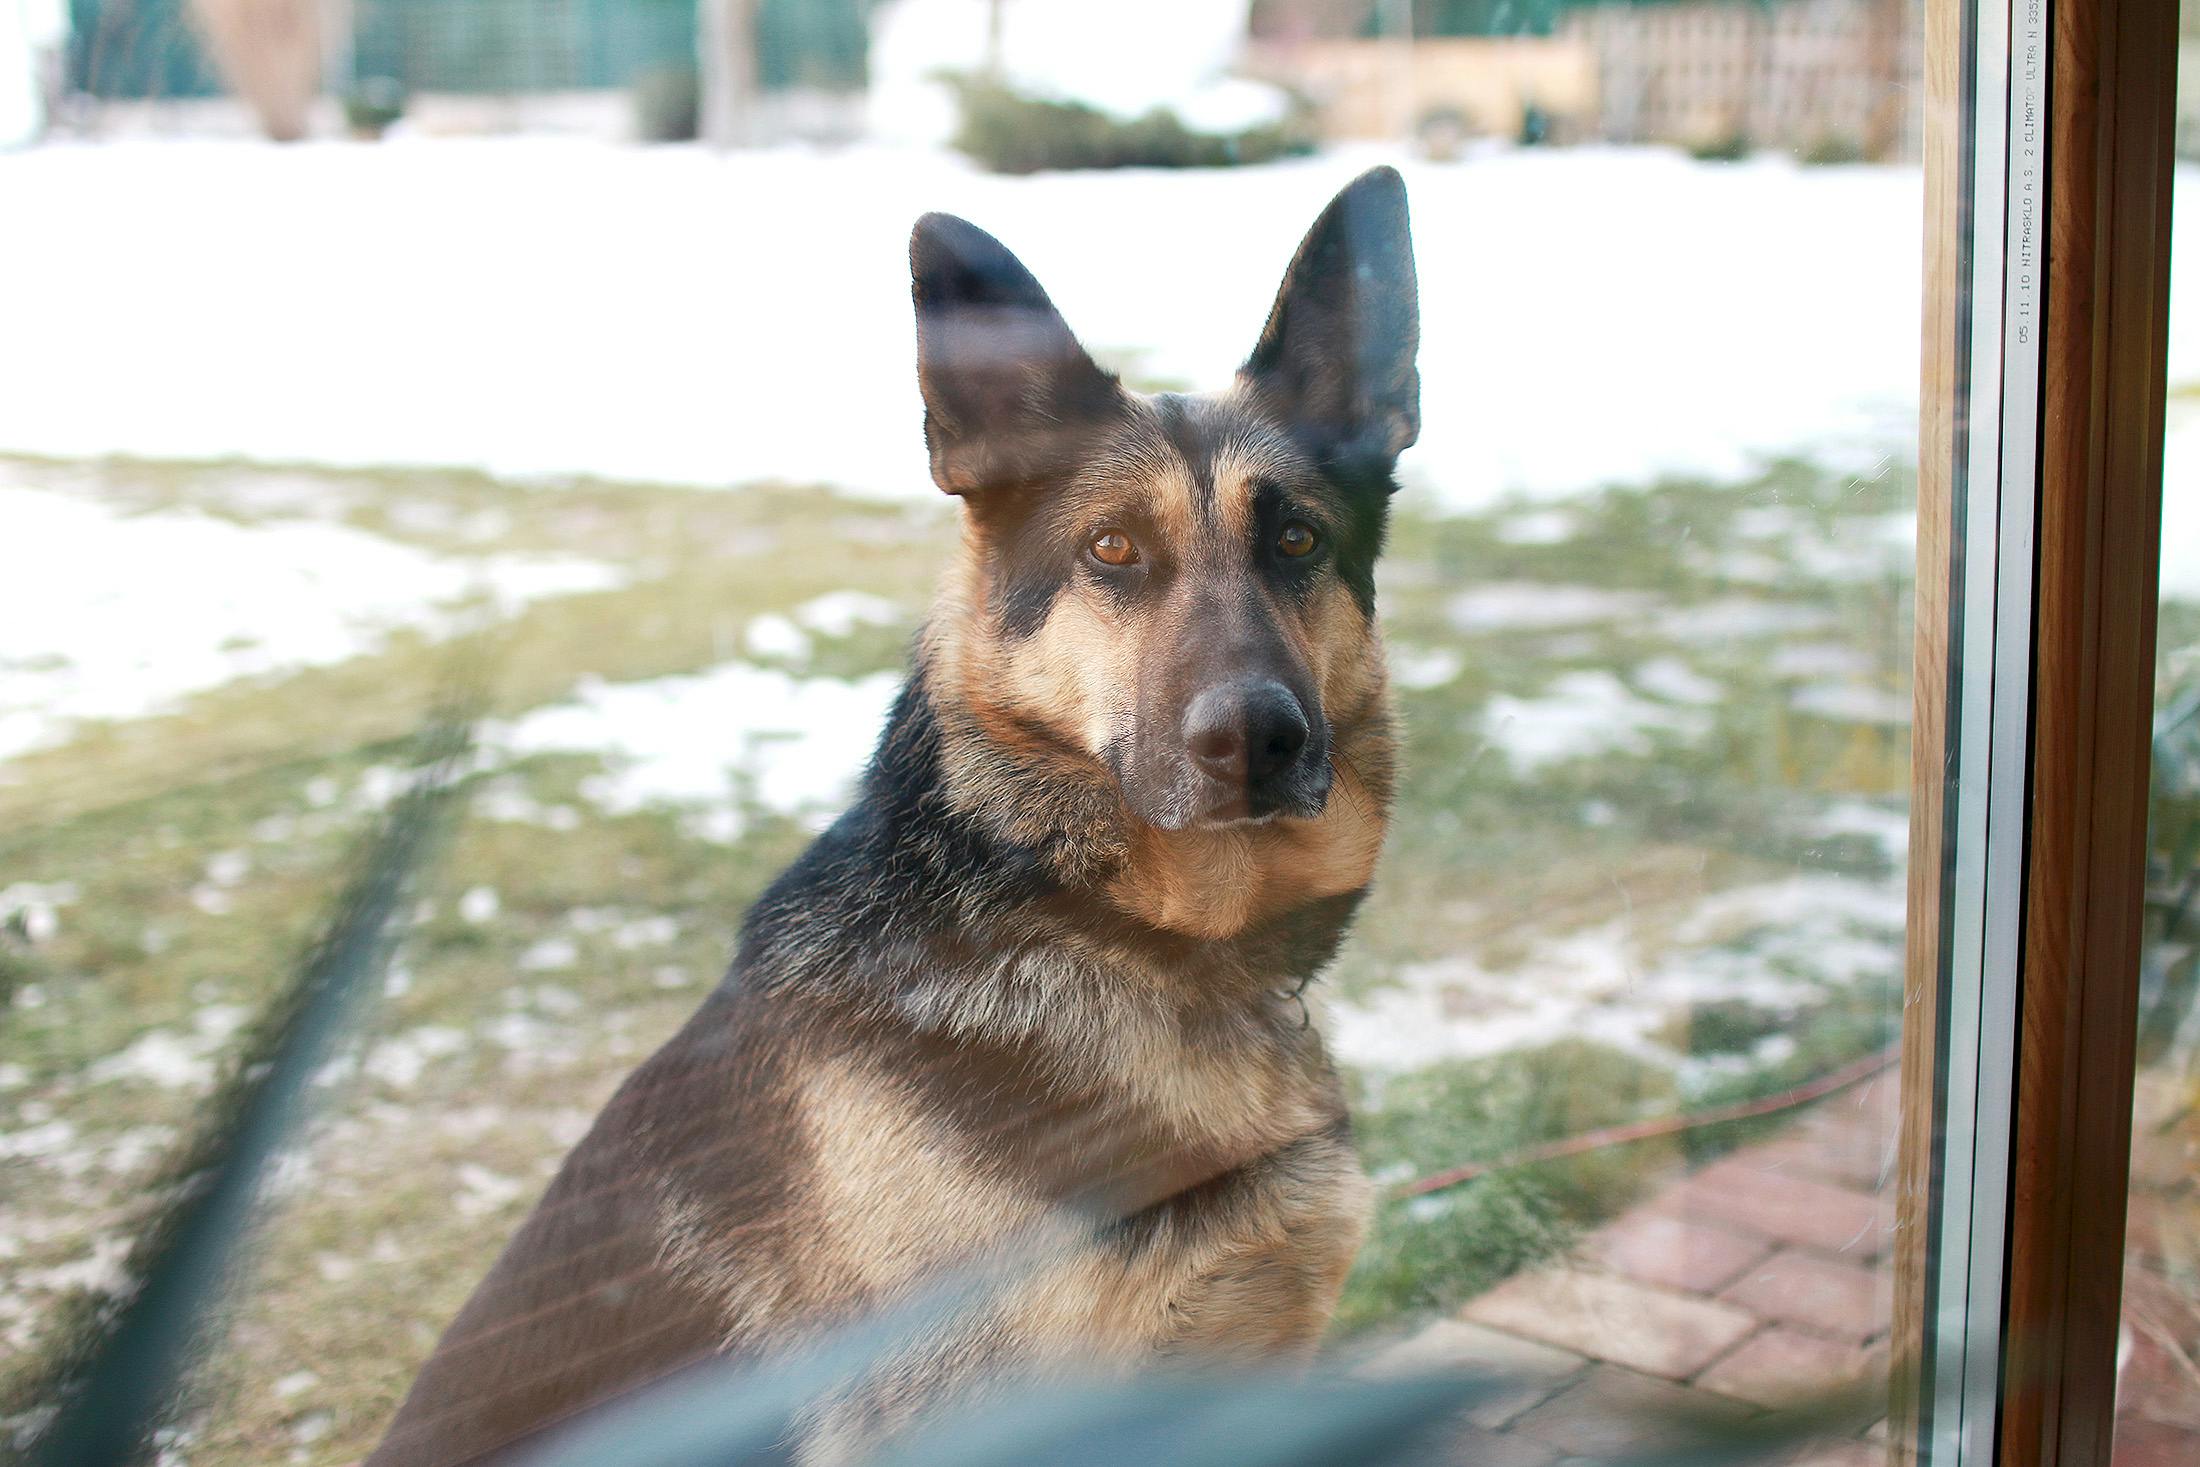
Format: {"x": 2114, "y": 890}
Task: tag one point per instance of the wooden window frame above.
{"x": 2045, "y": 330}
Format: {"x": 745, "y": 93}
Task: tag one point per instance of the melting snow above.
{"x": 1776, "y": 945}
{"x": 1675, "y": 681}
{"x": 173, "y": 1060}
{"x": 1582, "y": 714}
{"x": 1561, "y": 349}
{"x": 1421, "y": 668}
{"x": 1852, "y": 703}
{"x": 1504, "y": 606}
{"x": 109, "y": 614}
{"x": 703, "y": 741}
{"x": 32, "y": 905}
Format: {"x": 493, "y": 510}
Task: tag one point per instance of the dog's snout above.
{"x": 1245, "y": 732}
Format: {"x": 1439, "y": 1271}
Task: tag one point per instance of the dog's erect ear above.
{"x": 1336, "y": 359}
{"x": 1009, "y": 395}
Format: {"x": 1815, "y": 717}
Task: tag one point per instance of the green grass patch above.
{"x": 549, "y": 954}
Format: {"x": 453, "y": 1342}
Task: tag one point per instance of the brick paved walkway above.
{"x": 2158, "y": 1388}
{"x": 1762, "y": 1279}
{"x": 1757, "y": 1280}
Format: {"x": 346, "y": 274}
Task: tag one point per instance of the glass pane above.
{"x": 2158, "y": 1391}
{"x": 503, "y": 390}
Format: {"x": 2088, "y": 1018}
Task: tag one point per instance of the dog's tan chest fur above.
{"x": 1245, "y": 1264}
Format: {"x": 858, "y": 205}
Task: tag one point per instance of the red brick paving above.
{"x": 2144, "y": 1443}
{"x": 1765, "y": 1277}
{"x": 1742, "y": 1192}
{"x": 1610, "y": 1411}
{"x": 1605, "y": 1317}
{"x": 2158, "y": 1388}
{"x": 1692, "y": 1256}
{"x": 1537, "y": 1371}
{"x": 1832, "y": 1297}
{"x": 1842, "y": 1454}
{"x": 1760, "y": 1279}
{"x": 1779, "y": 1366}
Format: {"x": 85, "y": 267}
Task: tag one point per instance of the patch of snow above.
{"x": 1558, "y": 353}
{"x": 552, "y": 954}
{"x": 106, "y": 613}
{"x": 1773, "y": 945}
{"x": 1675, "y": 681}
{"x": 773, "y": 635}
{"x": 839, "y": 613}
{"x": 1852, "y": 703}
{"x": 1732, "y": 618}
{"x": 645, "y": 932}
{"x": 400, "y": 1060}
{"x": 505, "y": 800}
{"x": 100, "y": 1272}
{"x": 160, "y": 1058}
{"x": 1581, "y": 714}
{"x": 834, "y": 614}
{"x": 227, "y": 868}
{"x": 1860, "y": 549}
{"x": 1504, "y": 606}
{"x": 1421, "y": 668}
{"x": 705, "y": 740}
{"x": 1818, "y": 660}
{"x": 44, "y": 1141}
{"x": 1539, "y": 527}
{"x": 1888, "y": 825}
{"x": 172, "y": 1060}
{"x": 33, "y": 907}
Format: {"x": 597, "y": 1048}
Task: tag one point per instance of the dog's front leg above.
{"x": 1290, "y": 1238}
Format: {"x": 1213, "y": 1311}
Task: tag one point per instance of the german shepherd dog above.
{"x": 1048, "y": 964}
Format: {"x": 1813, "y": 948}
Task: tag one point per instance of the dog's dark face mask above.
{"x": 1180, "y": 587}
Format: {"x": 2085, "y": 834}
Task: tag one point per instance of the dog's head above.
{"x": 1180, "y": 587}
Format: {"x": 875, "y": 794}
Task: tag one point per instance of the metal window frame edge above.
{"x": 2006, "y": 105}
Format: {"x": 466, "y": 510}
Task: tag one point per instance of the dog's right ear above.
{"x": 1009, "y": 395}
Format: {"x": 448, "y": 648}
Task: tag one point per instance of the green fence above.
{"x": 520, "y": 45}
{"x": 147, "y": 48}
{"x": 136, "y": 48}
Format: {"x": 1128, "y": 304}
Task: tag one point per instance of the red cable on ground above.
{"x": 1853, "y": 1073}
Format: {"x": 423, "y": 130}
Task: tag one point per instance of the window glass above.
{"x": 2158, "y": 1384}
{"x": 559, "y": 379}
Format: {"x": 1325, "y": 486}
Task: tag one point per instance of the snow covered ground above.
{"x": 106, "y": 613}
{"x": 1779, "y": 945}
{"x": 737, "y": 732}
{"x": 556, "y": 307}
{"x": 543, "y": 306}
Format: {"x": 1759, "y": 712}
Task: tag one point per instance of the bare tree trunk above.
{"x": 269, "y": 51}
{"x": 995, "y": 66}
{"x": 726, "y": 39}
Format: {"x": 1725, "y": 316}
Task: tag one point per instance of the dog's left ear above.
{"x": 1336, "y": 359}
{"x": 1009, "y": 395}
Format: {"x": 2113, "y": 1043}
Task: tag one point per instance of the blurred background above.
{"x": 351, "y": 347}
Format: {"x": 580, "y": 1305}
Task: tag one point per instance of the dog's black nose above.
{"x": 1245, "y": 732}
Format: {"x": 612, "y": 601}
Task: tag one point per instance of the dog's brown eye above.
{"x": 1113, "y": 547}
{"x": 1296, "y": 540}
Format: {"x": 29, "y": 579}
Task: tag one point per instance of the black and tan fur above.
{"x": 1046, "y": 966}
